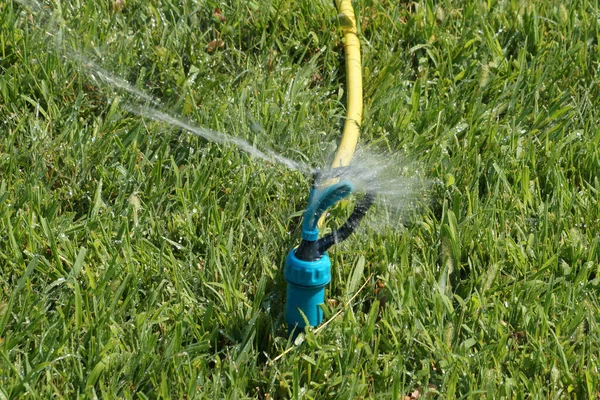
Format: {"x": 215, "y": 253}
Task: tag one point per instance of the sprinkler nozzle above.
{"x": 308, "y": 267}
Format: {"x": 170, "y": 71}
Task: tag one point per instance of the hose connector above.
{"x": 306, "y": 281}
{"x": 308, "y": 267}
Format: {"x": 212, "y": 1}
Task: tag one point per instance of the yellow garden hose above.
{"x": 347, "y": 145}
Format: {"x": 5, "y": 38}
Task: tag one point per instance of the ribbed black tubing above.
{"x": 341, "y": 234}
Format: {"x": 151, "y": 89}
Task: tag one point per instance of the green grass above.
{"x": 137, "y": 261}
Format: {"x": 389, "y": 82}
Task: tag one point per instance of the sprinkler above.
{"x": 308, "y": 267}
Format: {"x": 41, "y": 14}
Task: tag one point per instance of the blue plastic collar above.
{"x": 307, "y": 273}
{"x": 305, "y": 290}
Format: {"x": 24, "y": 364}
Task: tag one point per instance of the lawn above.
{"x": 139, "y": 260}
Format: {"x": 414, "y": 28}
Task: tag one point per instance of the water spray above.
{"x": 308, "y": 267}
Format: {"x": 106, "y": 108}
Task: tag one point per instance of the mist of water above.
{"x": 400, "y": 185}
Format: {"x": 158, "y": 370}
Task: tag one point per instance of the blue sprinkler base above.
{"x": 305, "y": 290}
